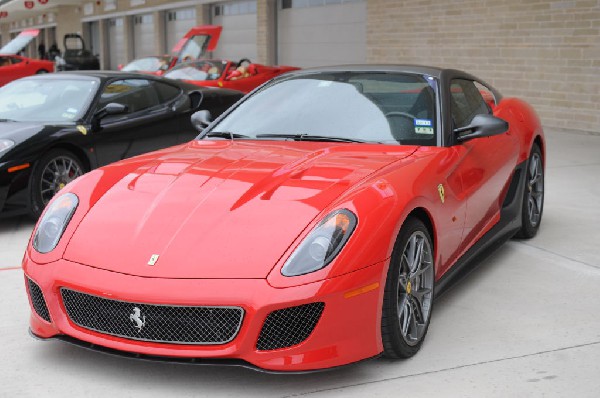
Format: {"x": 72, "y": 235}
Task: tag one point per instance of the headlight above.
{"x": 322, "y": 245}
{"x": 54, "y": 222}
{"x": 5, "y": 145}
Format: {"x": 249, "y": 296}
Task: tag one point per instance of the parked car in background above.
{"x": 242, "y": 75}
{"x": 196, "y": 43}
{"x": 55, "y": 127}
{"x": 308, "y": 227}
{"x": 76, "y": 56}
{"x": 14, "y": 66}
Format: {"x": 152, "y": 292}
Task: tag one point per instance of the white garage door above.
{"x": 116, "y": 43}
{"x": 143, "y": 36}
{"x": 321, "y": 32}
{"x": 177, "y": 25}
{"x": 238, "y": 38}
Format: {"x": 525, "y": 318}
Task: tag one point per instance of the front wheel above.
{"x": 533, "y": 197}
{"x": 53, "y": 172}
{"x": 408, "y": 296}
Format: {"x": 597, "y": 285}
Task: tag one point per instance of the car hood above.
{"x": 19, "y": 43}
{"x": 219, "y": 209}
{"x": 19, "y": 131}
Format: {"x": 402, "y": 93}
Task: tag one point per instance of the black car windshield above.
{"x": 391, "y": 108}
{"x": 46, "y": 100}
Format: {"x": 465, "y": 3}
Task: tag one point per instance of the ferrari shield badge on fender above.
{"x": 441, "y": 192}
{"x": 153, "y": 259}
{"x": 82, "y": 129}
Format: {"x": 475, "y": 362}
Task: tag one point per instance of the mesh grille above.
{"x": 147, "y": 322}
{"x": 289, "y": 326}
{"x": 37, "y": 299}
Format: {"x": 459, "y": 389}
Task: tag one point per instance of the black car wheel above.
{"x": 52, "y": 172}
{"x": 533, "y": 196}
{"x": 41, "y": 72}
{"x": 408, "y": 296}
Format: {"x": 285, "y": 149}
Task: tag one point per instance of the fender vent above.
{"x": 37, "y": 300}
{"x": 289, "y": 326}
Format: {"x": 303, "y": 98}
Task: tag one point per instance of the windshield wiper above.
{"x": 225, "y": 134}
{"x": 308, "y": 137}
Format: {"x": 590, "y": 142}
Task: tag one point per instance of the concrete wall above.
{"x": 545, "y": 51}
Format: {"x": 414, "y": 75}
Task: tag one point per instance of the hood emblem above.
{"x": 153, "y": 259}
{"x": 441, "y": 192}
{"x": 137, "y": 317}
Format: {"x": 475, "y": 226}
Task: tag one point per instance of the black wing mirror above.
{"x": 201, "y": 119}
{"x": 481, "y": 126}
{"x": 110, "y": 109}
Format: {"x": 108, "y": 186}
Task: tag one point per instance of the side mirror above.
{"x": 481, "y": 126}
{"x": 201, "y": 119}
{"x": 110, "y": 109}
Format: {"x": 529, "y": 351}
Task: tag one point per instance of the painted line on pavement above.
{"x": 10, "y": 268}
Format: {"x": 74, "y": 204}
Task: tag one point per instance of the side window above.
{"x": 467, "y": 102}
{"x": 15, "y": 60}
{"x": 137, "y": 94}
{"x": 4, "y": 61}
{"x": 487, "y": 94}
{"x": 166, "y": 92}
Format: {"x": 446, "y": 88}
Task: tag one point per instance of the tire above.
{"x": 55, "y": 169}
{"x": 533, "y": 195}
{"x": 41, "y": 72}
{"x": 408, "y": 294}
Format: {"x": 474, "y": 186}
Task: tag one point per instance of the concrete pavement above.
{"x": 524, "y": 323}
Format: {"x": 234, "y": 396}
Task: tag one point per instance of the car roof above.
{"x": 98, "y": 74}
{"x": 416, "y": 69}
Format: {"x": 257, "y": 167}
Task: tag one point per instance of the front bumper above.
{"x": 13, "y": 190}
{"x": 347, "y": 331}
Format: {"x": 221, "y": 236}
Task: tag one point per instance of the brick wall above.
{"x": 546, "y": 52}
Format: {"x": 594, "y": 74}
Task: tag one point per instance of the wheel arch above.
{"x": 77, "y": 151}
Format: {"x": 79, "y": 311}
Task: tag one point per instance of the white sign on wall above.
{"x": 134, "y": 3}
{"x": 110, "y": 5}
{"x": 88, "y": 8}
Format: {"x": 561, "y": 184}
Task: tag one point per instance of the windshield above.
{"x": 46, "y": 100}
{"x": 148, "y": 64}
{"x": 391, "y": 108}
{"x": 199, "y": 70}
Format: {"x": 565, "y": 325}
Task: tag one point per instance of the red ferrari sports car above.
{"x": 310, "y": 226}
{"x": 13, "y": 66}
{"x": 196, "y": 43}
{"x": 243, "y": 76}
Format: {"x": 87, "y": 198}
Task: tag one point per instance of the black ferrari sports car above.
{"x": 55, "y": 127}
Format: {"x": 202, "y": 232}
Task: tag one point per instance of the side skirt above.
{"x": 509, "y": 224}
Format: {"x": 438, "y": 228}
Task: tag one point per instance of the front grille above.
{"x": 148, "y": 322}
{"x": 37, "y": 300}
{"x": 289, "y": 326}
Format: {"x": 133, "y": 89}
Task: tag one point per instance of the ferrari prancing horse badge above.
{"x": 441, "y": 192}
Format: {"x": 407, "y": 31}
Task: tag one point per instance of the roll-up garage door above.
{"x": 116, "y": 35}
{"x": 321, "y": 32}
{"x": 177, "y": 25}
{"x": 143, "y": 36}
{"x": 238, "y": 39}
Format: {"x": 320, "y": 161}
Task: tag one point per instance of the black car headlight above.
{"x": 322, "y": 244}
{"x": 5, "y": 145}
{"x": 52, "y": 226}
